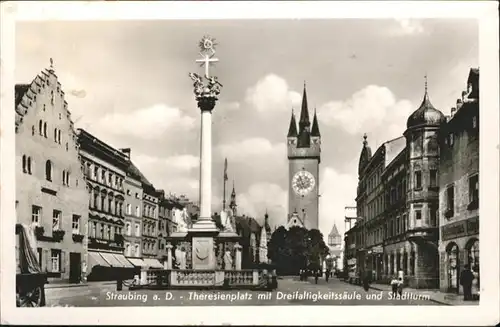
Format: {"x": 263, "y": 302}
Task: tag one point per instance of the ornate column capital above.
{"x": 206, "y": 103}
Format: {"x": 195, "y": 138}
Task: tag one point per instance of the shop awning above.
{"x": 137, "y": 262}
{"x": 95, "y": 259}
{"x": 121, "y": 258}
{"x": 111, "y": 259}
{"x": 153, "y": 263}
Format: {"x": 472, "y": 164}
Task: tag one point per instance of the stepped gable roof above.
{"x": 20, "y": 90}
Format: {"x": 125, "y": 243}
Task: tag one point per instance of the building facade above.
{"x": 150, "y": 220}
{"x": 304, "y": 156}
{"x": 105, "y": 169}
{"x": 50, "y": 186}
{"x": 459, "y": 189}
{"x": 397, "y": 204}
{"x": 133, "y": 210}
{"x": 335, "y": 246}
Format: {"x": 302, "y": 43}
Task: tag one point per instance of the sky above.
{"x": 127, "y": 83}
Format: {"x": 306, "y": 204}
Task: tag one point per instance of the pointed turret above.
{"x": 304, "y": 112}
{"x": 292, "y": 130}
{"x": 232, "y": 204}
{"x": 315, "y": 126}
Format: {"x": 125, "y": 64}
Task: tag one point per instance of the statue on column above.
{"x": 228, "y": 260}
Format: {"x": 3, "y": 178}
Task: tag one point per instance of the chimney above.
{"x": 453, "y": 111}
{"x": 126, "y": 151}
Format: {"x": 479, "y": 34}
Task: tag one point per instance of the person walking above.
{"x": 394, "y": 287}
{"x": 366, "y": 281}
{"x": 466, "y": 278}
{"x": 400, "y": 286}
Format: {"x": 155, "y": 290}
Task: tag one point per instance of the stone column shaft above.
{"x": 206, "y": 166}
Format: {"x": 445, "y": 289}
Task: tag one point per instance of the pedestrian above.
{"x": 466, "y": 278}
{"x": 394, "y": 287}
{"x": 366, "y": 281}
{"x": 400, "y": 286}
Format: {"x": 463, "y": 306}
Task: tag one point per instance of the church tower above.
{"x": 304, "y": 148}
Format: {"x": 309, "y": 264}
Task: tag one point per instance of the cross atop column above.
{"x": 207, "y": 61}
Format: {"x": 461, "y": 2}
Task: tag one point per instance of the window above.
{"x": 76, "y": 224}
{"x": 418, "y": 214}
{"x": 64, "y": 177}
{"x": 128, "y": 192}
{"x": 127, "y": 249}
{"x": 55, "y": 257}
{"x": 96, "y": 172}
{"x": 25, "y": 170}
{"x": 55, "y": 134}
{"x": 40, "y": 125}
{"x": 418, "y": 179}
{"x": 103, "y": 176}
{"x": 94, "y": 229}
{"x": 129, "y": 229}
{"x": 110, "y": 179}
{"x": 103, "y": 202}
{"x": 67, "y": 178}
{"x": 113, "y": 232}
{"x": 96, "y": 199}
{"x": 129, "y": 209}
{"x": 56, "y": 220}
{"x": 433, "y": 215}
{"x": 67, "y": 146}
{"x": 137, "y": 230}
{"x": 45, "y": 130}
{"x": 473, "y": 192}
{"x": 450, "y": 201}
{"x": 110, "y": 205}
{"x": 137, "y": 211}
{"x": 59, "y": 136}
{"x": 433, "y": 178}
{"x": 136, "y": 195}
{"x": 101, "y": 231}
{"x": 33, "y": 130}
{"x": 36, "y": 215}
{"x": 44, "y": 107}
{"x": 48, "y": 170}
{"x": 106, "y": 232}
{"x": 137, "y": 250}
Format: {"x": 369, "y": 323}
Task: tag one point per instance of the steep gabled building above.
{"x": 51, "y": 194}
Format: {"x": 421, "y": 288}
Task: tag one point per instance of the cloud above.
{"x": 337, "y": 191}
{"x": 176, "y": 174}
{"x": 372, "y": 108}
{"x": 78, "y": 93}
{"x": 250, "y": 148}
{"x": 272, "y": 94}
{"x": 407, "y": 26}
{"x": 233, "y": 105}
{"x": 261, "y": 197}
{"x": 147, "y": 123}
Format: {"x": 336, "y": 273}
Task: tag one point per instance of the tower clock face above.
{"x": 303, "y": 182}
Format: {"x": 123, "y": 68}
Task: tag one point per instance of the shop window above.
{"x": 450, "y": 201}
{"x": 453, "y": 265}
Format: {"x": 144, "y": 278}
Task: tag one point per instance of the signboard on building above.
{"x": 377, "y": 249}
{"x": 461, "y": 228}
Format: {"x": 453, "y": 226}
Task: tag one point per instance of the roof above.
{"x": 292, "y": 129}
{"x": 315, "y": 126}
{"x": 393, "y": 148}
{"x": 304, "y": 112}
{"x": 425, "y": 115}
{"x": 334, "y": 231}
{"x": 21, "y": 90}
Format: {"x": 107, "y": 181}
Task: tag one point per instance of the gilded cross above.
{"x": 207, "y": 61}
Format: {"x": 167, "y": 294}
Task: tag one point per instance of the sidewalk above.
{"x": 434, "y": 295}
{"x": 68, "y": 285}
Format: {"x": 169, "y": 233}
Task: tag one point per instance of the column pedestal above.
{"x": 168, "y": 263}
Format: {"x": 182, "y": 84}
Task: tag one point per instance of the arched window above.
{"x": 40, "y": 125}
{"x": 48, "y": 170}
{"x": 24, "y": 164}
{"x": 45, "y": 129}
{"x": 29, "y": 165}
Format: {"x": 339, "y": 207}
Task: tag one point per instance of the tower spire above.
{"x": 292, "y": 129}
{"x": 304, "y": 112}
{"x": 315, "y": 126}
{"x": 365, "y": 142}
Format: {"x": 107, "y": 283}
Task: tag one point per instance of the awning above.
{"x": 95, "y": 259}
{"x": 137, "y": 262}
{"x": 111, "y": 259}
{"x": 121, "y": 258}
{"x": 153, "y": 263}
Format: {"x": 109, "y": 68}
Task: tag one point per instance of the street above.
{"x": 290, "y": 291}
